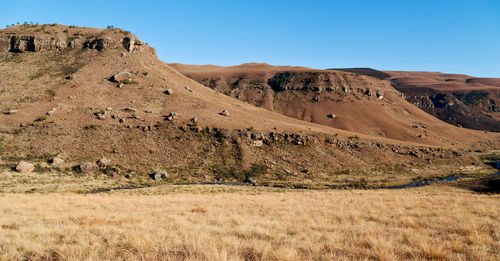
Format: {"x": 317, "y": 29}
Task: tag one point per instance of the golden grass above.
{"x": 426, "y": 223}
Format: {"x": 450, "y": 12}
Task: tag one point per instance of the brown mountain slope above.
{"x": 455, "y": 98}
{"x": 60, "y": 100}
{"x": 360, "y": 104}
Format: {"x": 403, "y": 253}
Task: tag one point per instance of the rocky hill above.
{"x": 458, "y": 99}
{"x": 343, "y": 100}
{"x": 85, "y": 94}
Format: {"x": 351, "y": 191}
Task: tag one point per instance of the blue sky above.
{"x": 429, "y": 35}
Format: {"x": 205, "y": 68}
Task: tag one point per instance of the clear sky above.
{"x": 431, "y": 35}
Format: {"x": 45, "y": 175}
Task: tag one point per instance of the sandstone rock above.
{"x": 103, "y": 163}
{"x": 11, "y": 112}
{"x": 257, "y": 143}
{"x": 25, "y": 167}
{"x": 99, "y": 44}
{"x": 122, "y": 76}
{"x": 75, "y": 43}
{"x": 56, "y": 161}
{"x": 224, "y": 113}
{"x": 169, "y": 91}
{"x": 252, "y": 181}
{"x": 129, "y": 43}
{"x": 88, "y": 167}
{"x": 160, "y": 175}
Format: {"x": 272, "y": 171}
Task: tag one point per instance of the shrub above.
{"x": 470, "y": 98}
{"x": 42, "y": 118}
{"x": 279, "y": 80}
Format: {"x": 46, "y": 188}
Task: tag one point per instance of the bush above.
{"x": 42, "y": 118}
{"x": 470, "y": 98}
{"x": 279, "y": 80}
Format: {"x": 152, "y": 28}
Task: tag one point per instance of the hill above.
{"x": 82, "y": 94}
{"x": 338, "y": 99}
{"x": 461, "y": 100}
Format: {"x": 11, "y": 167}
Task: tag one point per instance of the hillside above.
{"x": 83, "y": 94}
{"x": 461, "y": 100}
{"x": 342, "y": 100}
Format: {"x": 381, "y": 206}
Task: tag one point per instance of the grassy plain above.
{"x": 246, "y": 223}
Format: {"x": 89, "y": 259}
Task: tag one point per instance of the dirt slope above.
{"x": 458, "y": 99}
{"x": 359, "y": 103}
{"x": 59, "y": 100}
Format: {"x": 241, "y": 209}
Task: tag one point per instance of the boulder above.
{"x": 11, "y": 112}
{"x": 122, "y": 76}
{"x": 103, "y": 163}
{"x": 160, "y": 175}
{"x": 129, "y": 43}
{"x": 169, "y": 91}
{"x": 56, "y": 161}
{"x": 25, "y": 167}
{"x": 88, "y": 167}
{"x": 224, "y": 113}
{"x": 331, "y": 116}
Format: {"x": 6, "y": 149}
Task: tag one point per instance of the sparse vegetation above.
{"x": 91, "y": 127}
{"x": 470, "y": 98}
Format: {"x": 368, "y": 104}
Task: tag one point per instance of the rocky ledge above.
{"x": 23, "y": 43}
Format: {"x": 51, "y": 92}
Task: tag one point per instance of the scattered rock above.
{"x": 56, "y": 161}
{"x": 25, "y": 167}
{"x": 148, "y": 111}
{"x": 331, "y": 116}
{"x": 189, "y": 89}
{"x": 129, "y": 109}
{"x": 257, "y": 143}
{"x": 160, "y": 175}
{"x": 252, "y": 181}
{"x": 224, "y": 113}
{"x": 71, "y": 97}
{"x": 51, "y": 112}
{"x": 11, "y": 112}
{"x": 103, "y": 163}
{"x": 109, "y": 109}
{"x": 69, "y": 77}
{"x": 88, "y": 167}
{"x": 316, "y": 99}
{"x": 122, "y": 76}
{"x": 194, "y": 119}
{"x": 169, "y": 91}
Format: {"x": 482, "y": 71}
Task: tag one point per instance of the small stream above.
{"x": 408, "y": 185}
{"x": 445, "y": 179}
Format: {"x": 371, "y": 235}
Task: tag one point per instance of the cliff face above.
{"x": 18, "y": 41}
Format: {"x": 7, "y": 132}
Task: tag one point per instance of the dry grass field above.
{"x": 216, "y": 223}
